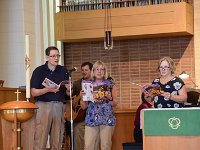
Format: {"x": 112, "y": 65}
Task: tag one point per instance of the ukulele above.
{"x": 78, "y": 114}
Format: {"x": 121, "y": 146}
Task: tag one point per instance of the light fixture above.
{"x": 108, "y": 40}
{"x": 184, "y": 75}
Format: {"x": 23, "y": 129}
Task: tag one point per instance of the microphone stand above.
{"x": 72, "y": 135}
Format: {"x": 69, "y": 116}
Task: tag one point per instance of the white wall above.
{"x": 11, "y": 41}
{"x": 17, "y": 18}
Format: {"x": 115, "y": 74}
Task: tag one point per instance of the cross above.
{"x": 18, "y": 92}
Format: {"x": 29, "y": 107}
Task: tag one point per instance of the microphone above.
{"x": 73, "y": 70}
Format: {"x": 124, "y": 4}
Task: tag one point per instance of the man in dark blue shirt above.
{"x": 50, "y": 97}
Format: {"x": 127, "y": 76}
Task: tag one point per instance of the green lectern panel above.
{"x": 172, "y": 122}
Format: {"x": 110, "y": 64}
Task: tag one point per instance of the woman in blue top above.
{"x": 174, "y": 94}
{"x": 100, "y": 120}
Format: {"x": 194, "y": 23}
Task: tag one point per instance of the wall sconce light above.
{"x": 184, "y": 75}
{"x": 108, "y": 40}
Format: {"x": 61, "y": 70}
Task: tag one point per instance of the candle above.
{"x": 27, "y": 67}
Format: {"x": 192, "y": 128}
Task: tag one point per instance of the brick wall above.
{"x": 133, "y": 61}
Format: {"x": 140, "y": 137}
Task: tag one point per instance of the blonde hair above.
{"x": 96, "y": 65}
{"x": 170, "y": 62}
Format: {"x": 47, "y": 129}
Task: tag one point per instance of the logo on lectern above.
{"x": 174, "y": 123}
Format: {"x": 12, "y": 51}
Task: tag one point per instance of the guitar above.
{"x": 78, "y": 114}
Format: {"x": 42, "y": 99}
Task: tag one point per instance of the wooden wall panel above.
{"x": 8, "y": 94}
{"x": 123, "y": 132}
{"x": 59, "y": 26}
{"x": 142, "y": 21}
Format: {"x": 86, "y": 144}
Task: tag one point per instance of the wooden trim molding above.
{"x": 124, "y": 111}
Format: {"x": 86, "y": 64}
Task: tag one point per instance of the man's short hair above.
{"x": 47, "y": 51}
{"x": 87, "y": 63}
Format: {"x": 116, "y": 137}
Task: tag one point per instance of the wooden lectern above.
{"x": 6, "y": 133}
{"x": 171, "y": 129}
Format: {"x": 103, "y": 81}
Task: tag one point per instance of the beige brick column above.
{"x": 197, "y": 41}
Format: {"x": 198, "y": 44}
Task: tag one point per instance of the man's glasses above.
{"x": 165, "y": 67}
{"x": 55, "y": 56}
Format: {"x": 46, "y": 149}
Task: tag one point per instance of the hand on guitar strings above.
{"x": 76, "y": 101}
